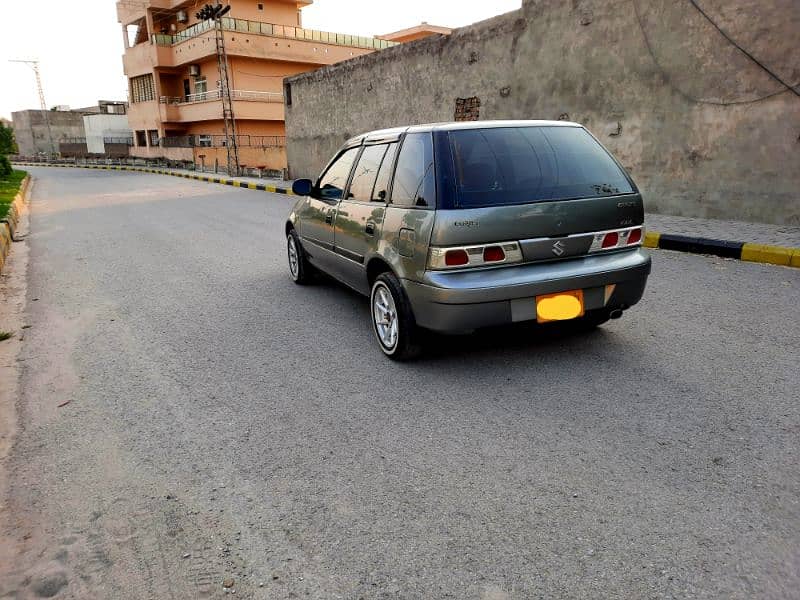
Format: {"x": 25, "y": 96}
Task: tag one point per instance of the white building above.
{"x": 102, "y": 129}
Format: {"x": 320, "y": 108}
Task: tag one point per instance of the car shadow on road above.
{"x": 508, "y": 340}
{"x": 527, "y": 336}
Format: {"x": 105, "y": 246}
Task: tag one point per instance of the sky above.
{"x": 79, "y": 44}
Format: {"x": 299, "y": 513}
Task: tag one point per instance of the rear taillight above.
{"x": 456, "y": 258}
{"x": 474, "y": 256}
{"x": 493, "y": 254}
{"x": 610, "y": 240}
{"x": 619, "y": 238}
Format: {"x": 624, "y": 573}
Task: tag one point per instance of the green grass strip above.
{"x": 8, "y": 190}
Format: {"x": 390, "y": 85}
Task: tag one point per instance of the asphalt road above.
{"x": 224, "y": 424}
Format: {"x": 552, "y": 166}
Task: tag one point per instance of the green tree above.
{"x": 8, "y": 145}
{"x": 5, "y": 167}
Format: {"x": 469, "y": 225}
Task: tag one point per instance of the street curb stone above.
{"x": 209, "y": 179}
{"x": 774, "y": 255}
{"x": 8, "y": 226}
{"x": 746, "y": 251}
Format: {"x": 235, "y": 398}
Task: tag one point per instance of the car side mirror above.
{"x": 302, "y": 187}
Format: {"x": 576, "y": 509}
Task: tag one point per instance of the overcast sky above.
{"x": 79, "y": 43}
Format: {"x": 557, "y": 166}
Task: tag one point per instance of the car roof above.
{"x": 394, "y": 133}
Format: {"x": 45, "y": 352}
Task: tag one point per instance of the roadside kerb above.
{"x": 249, "y": 185}
{"x": 760, "y": 253}
{"x": 8, "y": 225}
{"x": 746, "y": 251}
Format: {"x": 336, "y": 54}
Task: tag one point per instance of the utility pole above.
{"x": 34, "y": 64}
{"x": 216, "y": 13}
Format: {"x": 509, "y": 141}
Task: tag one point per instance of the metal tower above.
{"x": 229, "y": 120}
{"x": 34, "y": 64}
{"x": 215, "y": 13}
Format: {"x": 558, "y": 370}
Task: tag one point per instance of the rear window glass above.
{"x": 517, "y": 165}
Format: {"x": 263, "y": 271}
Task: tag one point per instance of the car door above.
{"x": 410, "y": 214}
{"x": 319, "y": 211}
{"x": 359, "y": 219}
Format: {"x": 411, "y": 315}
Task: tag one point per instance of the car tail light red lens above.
{"x": 611, "y": 240}
{"x": 454, "y": 258}
{"x": 635, "y": 236}
{"x": 493, "y": 254}
{"x": 484, "y": 255}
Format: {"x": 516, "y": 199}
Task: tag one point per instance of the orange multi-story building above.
{"x": 176, "y": 111}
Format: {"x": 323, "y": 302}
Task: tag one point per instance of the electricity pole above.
{"x": 216, "y": 13}
{"x": 34, "y": 64}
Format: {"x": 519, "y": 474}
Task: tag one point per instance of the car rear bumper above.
{"x": 465, "y": 300}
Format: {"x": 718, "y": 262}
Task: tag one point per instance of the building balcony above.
{"x": 272, "y": 30}
{"x": 207, "y": 106}
{"x": 217, "y": 94}
{"x": 247, "y": 39}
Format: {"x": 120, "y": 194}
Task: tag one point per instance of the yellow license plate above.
{"x": 559, "y": 307}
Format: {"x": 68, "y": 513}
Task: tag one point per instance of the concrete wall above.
{"x": 102, "y": 126}
{"x": 30, "y": 129}
{"x": 703, "y": 130}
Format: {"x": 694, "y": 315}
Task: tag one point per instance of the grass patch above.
{"x": 8, "y": 189}
{"x": 5, "y": 335}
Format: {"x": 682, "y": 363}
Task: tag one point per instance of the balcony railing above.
{"x": 282, "y": 31}
{"x": 219, "y": 141}
{"x": 216, "y": 95}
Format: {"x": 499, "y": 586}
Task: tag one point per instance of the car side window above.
{"x": 381, "y": 190}
{"x": 366, "y": 172}
{"x": 414, "y": 179}
{"x": 332, "y": 183}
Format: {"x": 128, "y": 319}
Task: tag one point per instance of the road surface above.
{"x": 190, "y": 419}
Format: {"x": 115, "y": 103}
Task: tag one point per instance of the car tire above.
{"x": 392, "y": 319}
{"x": 299, "y": 268}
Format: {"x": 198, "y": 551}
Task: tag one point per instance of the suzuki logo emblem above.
{"x": 558, "y": 248}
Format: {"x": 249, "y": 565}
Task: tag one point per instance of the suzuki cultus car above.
{"x": 458, "y": 226}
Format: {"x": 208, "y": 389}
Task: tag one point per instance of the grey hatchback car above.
{"x": 458, "y": 226}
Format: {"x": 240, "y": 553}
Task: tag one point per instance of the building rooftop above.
{"x": 415, "y": 33}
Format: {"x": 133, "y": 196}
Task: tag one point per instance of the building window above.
{"x": 153, "y": 136}
{"x": 204, "y": 141}
{"x": 260, "y": 6}
{"x": 141, "y": 139}
{"x": 142, "y": 89}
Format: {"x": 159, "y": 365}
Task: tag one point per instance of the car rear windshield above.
{"x": 517, "y": 165}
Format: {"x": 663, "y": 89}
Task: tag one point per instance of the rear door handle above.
{"x": 370, "y": 228}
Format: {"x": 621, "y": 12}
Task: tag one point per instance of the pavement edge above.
{"x": 248, "y": 185}
{"x": 760, "y": 253}
{"x": 746, "y": 251}
{"x": 8, "y": 225}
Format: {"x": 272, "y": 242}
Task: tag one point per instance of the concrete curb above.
{"x": 207, "y": 178}
{"x": 8, "y": 226}
{"x": 774, "y": 255}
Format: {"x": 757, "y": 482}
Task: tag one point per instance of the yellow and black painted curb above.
{"x": 249, "y": 185}
{"x": 774, "y": 255}
{"x": 8, "y": 225}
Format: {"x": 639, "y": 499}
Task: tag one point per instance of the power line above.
{"x": 742, "y": 50}
{"x": 675, "y": 87}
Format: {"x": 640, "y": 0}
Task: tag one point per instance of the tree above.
{"x": 5, "y": 167}
{"x": 8, "y": 145}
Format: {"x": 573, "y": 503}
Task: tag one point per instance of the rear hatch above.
{"x": 552, "y": 188}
